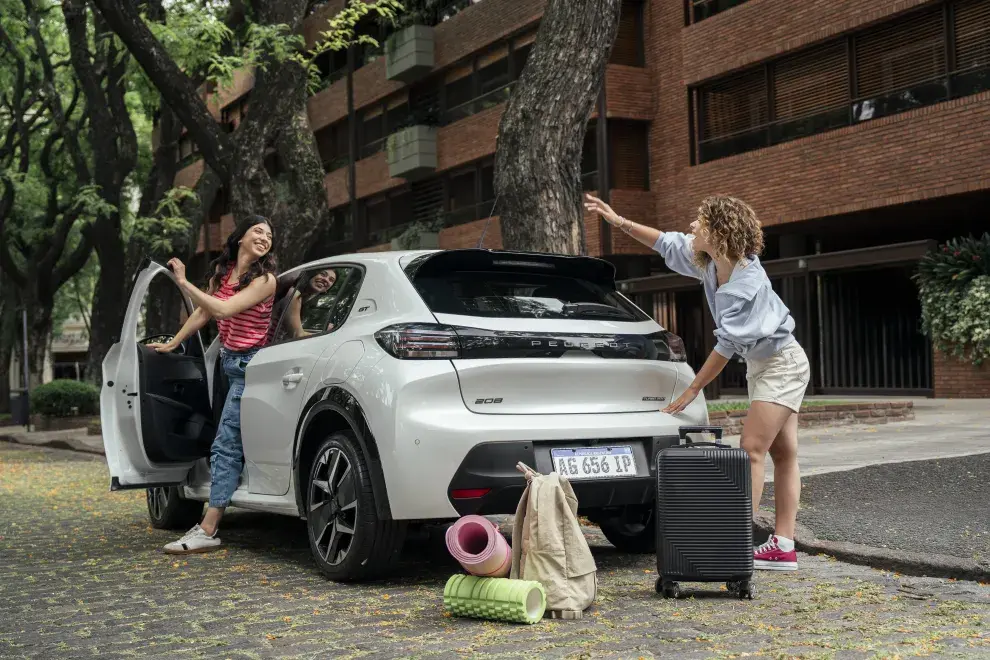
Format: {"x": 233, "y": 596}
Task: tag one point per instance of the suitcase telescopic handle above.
{"x": 715, "y": 430}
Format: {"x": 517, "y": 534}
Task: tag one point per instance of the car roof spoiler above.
{"x": 439, "y": 263}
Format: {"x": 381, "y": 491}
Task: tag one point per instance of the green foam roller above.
{"x": 499, "y": 599}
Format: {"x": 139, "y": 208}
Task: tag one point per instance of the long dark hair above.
{"x": 228, "y": 257}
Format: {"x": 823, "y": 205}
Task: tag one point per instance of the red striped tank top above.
{"x": 247, "y": 329}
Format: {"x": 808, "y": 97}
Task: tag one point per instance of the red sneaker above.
{"x": 769, "y": 557}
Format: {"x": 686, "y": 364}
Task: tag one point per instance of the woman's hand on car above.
{"x": 682, "y": 402}
{"x": 163, "y": 348}
{"x": 596, "y": 205}
{"x": 178, "y": 268}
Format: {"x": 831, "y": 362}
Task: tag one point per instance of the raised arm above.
{"x": 674, "y": 247}
{"x": 259, "y": 289}
{"x": 648, "y": 236}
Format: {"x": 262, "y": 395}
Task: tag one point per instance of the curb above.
{"x": 899, "y": 561}
{"x": 67, "y": 441}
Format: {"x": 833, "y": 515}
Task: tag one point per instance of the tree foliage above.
{"x": 954, "y": 288}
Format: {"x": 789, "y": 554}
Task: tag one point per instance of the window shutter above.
{"x": 898, "y": 56}
{"x": 811, "y": 83}
{"x": 972, "y": 24}
{"x": 735, "y": 105}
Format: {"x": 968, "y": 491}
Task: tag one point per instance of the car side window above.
{"x": 314, "y": 303}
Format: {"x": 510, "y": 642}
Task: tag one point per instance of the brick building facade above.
{"x": 855, "y": 129}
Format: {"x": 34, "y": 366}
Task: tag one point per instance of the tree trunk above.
{"x": 305, "y": 212}
{"x": 110, "y": 295}
{"x": 39, "y": 343}
{"x": 8, "y": 337}
{"x": 538, "y": 162}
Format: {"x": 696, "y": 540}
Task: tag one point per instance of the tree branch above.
{"x": 54, "y": 99}
{"x": 72, "y": 264}
{"x": 176, "y": 88}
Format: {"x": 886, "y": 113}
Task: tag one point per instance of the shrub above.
{"x": 954, "y": 287}
{"x": 64, "y": 398}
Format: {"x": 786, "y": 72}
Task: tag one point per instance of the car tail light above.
{"x": 430, "y": 341}
{"x": 419, "y": 341}
{"x": 675, "y": 345}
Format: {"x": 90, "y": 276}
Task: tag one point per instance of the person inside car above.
{"x": 750, "y": 321}
{"x": 239, "y": 296}
{"x": 311, "y": 301}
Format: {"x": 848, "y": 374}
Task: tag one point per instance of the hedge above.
{"x": 65, "y": 398}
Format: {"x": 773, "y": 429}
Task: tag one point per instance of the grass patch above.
{"x": 725, "y": 406}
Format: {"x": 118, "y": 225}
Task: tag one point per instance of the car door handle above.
{"x": 292, "y": 378}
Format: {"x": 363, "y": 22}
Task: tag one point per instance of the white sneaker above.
{"x": 195, "y": 540}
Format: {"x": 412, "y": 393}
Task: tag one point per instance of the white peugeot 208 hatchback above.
{"x": 406, "y": 386}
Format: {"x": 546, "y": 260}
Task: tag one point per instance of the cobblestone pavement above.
{"x": 81, "y": 575}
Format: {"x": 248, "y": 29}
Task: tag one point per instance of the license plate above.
{"x": 594, "y": 462}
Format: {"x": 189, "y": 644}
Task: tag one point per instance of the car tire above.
{"x": 632, "y": 531}
{"x": 348, "y": 540}
{"x": 168, "y": 510}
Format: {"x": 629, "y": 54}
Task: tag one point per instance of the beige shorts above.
{"x": 781, "y": 378}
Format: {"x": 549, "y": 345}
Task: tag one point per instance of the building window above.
{"x": 699, "y": 10}
{"x": 377, "y": 122}
{"x": 589, "y": 157}
{"x": 387, "y": 215}
{"x": 188, "y": 151}
{"x": 341, "y": 226}
{"x": 334, "y": 146}
{"x": 462, "y": 195}
{"x": 628, "y": 48}
{"x": 332, "y": 66}
{"x": 914, "y": 61}
{"x": 628, "y": 143}
{"x": 233, "y": 114}
{"x": 486, "y": 81}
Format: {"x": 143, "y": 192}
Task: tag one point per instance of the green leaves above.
{"x": 158, "y": 233}
{"x": 954, "y": 288}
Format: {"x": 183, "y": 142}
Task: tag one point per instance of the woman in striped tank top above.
{"x": 240, "y": 296}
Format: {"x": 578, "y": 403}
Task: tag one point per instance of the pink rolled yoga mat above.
{"x": 477, "y": 545}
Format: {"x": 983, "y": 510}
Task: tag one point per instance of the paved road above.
{"x": 938, "y": 506}
{"x": 81, "y": 575}
{"x": 941, "y": 429}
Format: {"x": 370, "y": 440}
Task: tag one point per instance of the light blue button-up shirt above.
{"x": 750, "y": 319}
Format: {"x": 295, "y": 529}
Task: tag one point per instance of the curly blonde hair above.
{"x": 731, "y": 228}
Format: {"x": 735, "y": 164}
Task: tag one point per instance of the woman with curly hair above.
{"x": 750, "y": 321}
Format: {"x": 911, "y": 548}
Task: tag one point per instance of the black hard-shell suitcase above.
{"x": 704, "y": 515}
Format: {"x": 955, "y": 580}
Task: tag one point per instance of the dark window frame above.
{"x": 694, "y": 8}
{"x": 369, "y": 149}
{"x": 853, "y": 103}
{"x": 291, "y": 291}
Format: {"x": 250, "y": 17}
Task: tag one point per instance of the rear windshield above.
{"x": 510, "y": 294}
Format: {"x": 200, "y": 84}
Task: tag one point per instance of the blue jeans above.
{"x": 227, "y": 455}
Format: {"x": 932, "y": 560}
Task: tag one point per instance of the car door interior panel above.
{"x": 176, "y": 417}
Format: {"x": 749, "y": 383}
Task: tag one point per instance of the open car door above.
{"x": 155, "y": 408}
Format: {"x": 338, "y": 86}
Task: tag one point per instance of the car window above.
{"x": 522, "y": 294}
{"x": 317, "y": 303}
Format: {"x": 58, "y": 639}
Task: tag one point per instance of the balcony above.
{"x": 409, "y": 54}
{"x": 412, "y": 152}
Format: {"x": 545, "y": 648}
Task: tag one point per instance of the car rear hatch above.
{"x": 537, "y": 334}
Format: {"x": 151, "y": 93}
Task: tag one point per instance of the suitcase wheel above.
{"x": 742, "y": 590}
{"x": 667, "y": 588}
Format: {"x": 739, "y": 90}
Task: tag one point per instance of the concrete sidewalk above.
{"x": 73, "y": 439}
{"x": 941, "y": 429}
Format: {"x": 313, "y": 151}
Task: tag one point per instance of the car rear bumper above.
{"x": 487, "y": 481}
{"x": 438, "y": 448}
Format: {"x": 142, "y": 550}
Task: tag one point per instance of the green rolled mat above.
{"x": 499, "y": 599}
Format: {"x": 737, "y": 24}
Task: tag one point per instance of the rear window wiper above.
{"x": 597, "y": 309}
